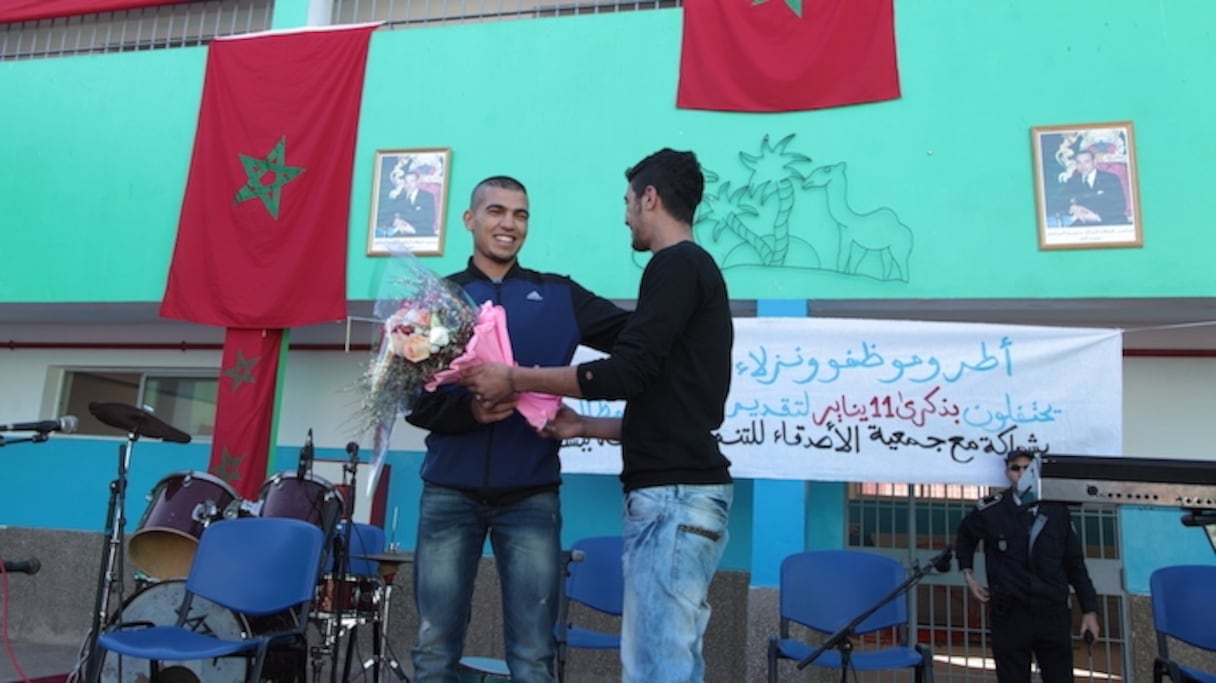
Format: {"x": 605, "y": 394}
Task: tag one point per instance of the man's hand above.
{"x": 1083, "y": 214}
{"x": 1089, "y": 622}
{"x": 979, "y": 590}
{"x": 489, "y": 382}
{"x": 485, "y": 413}
{"x": 402, "y": 226}
{"x": 567, "y": 424}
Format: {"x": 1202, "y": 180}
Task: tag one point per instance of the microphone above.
{"x": 352, "y": 449}
{"x": 305, "y": 457}
{"x": 30, "y": 566}
{"x": 941, "y": 561}
{"x": 66, "y": 424}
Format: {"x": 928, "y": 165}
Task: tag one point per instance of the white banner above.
{"x": 900, "y": 401}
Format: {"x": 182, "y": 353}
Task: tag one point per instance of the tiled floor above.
{"x": 36, "y": 660}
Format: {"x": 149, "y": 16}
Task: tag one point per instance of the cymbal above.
{"x": 136, "y": 421}
{"x": 387, "y": 558}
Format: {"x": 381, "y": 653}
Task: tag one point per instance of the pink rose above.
{"x": 417, "y": 348}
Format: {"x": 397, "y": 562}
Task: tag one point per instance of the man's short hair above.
{"x": 1018, "y": 452}
{"x": 675, "y": 176}
{"x": 502, "y": 182}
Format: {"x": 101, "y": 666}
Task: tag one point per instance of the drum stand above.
{"x": 110, "y": 573}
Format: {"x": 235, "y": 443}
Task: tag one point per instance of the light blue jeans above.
{"x": 674, "y": 538}
{"x": 526, "y": 538}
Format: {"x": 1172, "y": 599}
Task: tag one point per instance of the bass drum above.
{"x": 180, "y": 507}
{"x": 158, "y": 604}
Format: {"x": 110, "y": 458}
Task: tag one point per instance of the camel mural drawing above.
{"x": 878, "y": 231}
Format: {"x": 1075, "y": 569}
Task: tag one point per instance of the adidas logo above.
{"x": 535, "y": 296}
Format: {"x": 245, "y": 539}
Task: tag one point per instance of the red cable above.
{"x": 8, "y": 646}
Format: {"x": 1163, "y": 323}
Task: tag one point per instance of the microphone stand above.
{"x": 342, "y": 563}
{"x": 36, "y": 438}
{"x": 842, "y": 639}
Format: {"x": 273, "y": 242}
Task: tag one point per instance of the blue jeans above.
{"x": 526, "y": 538}
{"x": 674, "y": 538}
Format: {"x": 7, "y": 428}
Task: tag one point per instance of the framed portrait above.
{"x": 409, "y": 199}
{"x": 1086, "y": 186}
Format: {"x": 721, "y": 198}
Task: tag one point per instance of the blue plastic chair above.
{"x": 825, "y": 590}
{"x": 595, "y": 579}
{"x": 1183, "y": 597}
{"x": 364, "y": 539}
{"x": 254, "y": 566}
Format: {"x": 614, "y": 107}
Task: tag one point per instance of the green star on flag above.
{"x": 242, "y": 371}
{"x": 230, "y": 467}
{"x": 255, "y": 169}
{"x": 795, "y": 5}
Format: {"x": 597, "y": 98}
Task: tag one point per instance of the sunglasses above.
{"x": 1018, "y": 468}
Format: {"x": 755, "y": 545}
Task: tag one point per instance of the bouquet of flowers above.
{"x": 431, "y": 329}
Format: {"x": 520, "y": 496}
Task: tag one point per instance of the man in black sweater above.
{"x": 672, "y": 365}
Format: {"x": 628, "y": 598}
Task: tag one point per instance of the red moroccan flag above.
{"x": 245, "y": 409}
{"x": 787, "y": 55}
{"x": 262, "y": 240}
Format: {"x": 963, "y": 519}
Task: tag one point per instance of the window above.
{"x": 163, "y": 26}
{"x": 409, "y": 13}
{"x": 185, "y": 400}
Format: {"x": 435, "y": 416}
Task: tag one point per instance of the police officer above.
{"x": 1033, "y": 554}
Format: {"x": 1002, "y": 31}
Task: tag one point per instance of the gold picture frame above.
{"x": 409, "y": 201}
{"x": 1086, "y": 186}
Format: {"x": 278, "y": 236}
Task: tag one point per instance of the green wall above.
{"x": 96, "y": 149}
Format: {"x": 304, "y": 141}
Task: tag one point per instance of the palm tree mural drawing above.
{"x": 788, "y": 213}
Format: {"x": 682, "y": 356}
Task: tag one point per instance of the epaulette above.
{"x": 989, "y": 501}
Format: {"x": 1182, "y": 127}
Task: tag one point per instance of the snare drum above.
{"x": 158, "y": 604}
{"x": 355, "y": 586}
{"x": 347, "y": 594}
{"x": 311, "y": 499}
{"x": 180, "y": 508}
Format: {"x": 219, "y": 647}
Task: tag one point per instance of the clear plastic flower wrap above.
{"x": 425, "y": 323}
{"x": 430, "y": 329}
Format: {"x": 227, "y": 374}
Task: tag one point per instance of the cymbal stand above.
{"x": 110, "y": 572}
{"x": 382, "y": 654}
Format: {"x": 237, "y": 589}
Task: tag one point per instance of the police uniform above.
{"x": 1033, "y": 555}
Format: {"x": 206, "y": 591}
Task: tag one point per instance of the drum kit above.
{"x": 355, "y": 590}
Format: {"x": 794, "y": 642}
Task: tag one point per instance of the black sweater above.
{"x": 672, "y": 365}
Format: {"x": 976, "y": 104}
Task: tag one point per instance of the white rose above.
{"x": 439, "y": 337}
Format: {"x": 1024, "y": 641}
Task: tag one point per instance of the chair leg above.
{"x": 924, "y": 672}
{"x": 772, "y": 659}
{"x": 258, "y": 662}
{"x": 1159, "y": 670}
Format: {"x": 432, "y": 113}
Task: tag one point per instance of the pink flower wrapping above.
{"x": 491, "y": 344}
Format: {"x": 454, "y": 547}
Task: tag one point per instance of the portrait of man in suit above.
{"x": 1092, "y": 196}
{"x": 408, "y": 202}
{"x": 413, "y": 208}
{"x": 1085, "y": 186}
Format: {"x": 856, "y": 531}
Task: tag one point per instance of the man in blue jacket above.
{"x": 486, "y": 470}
